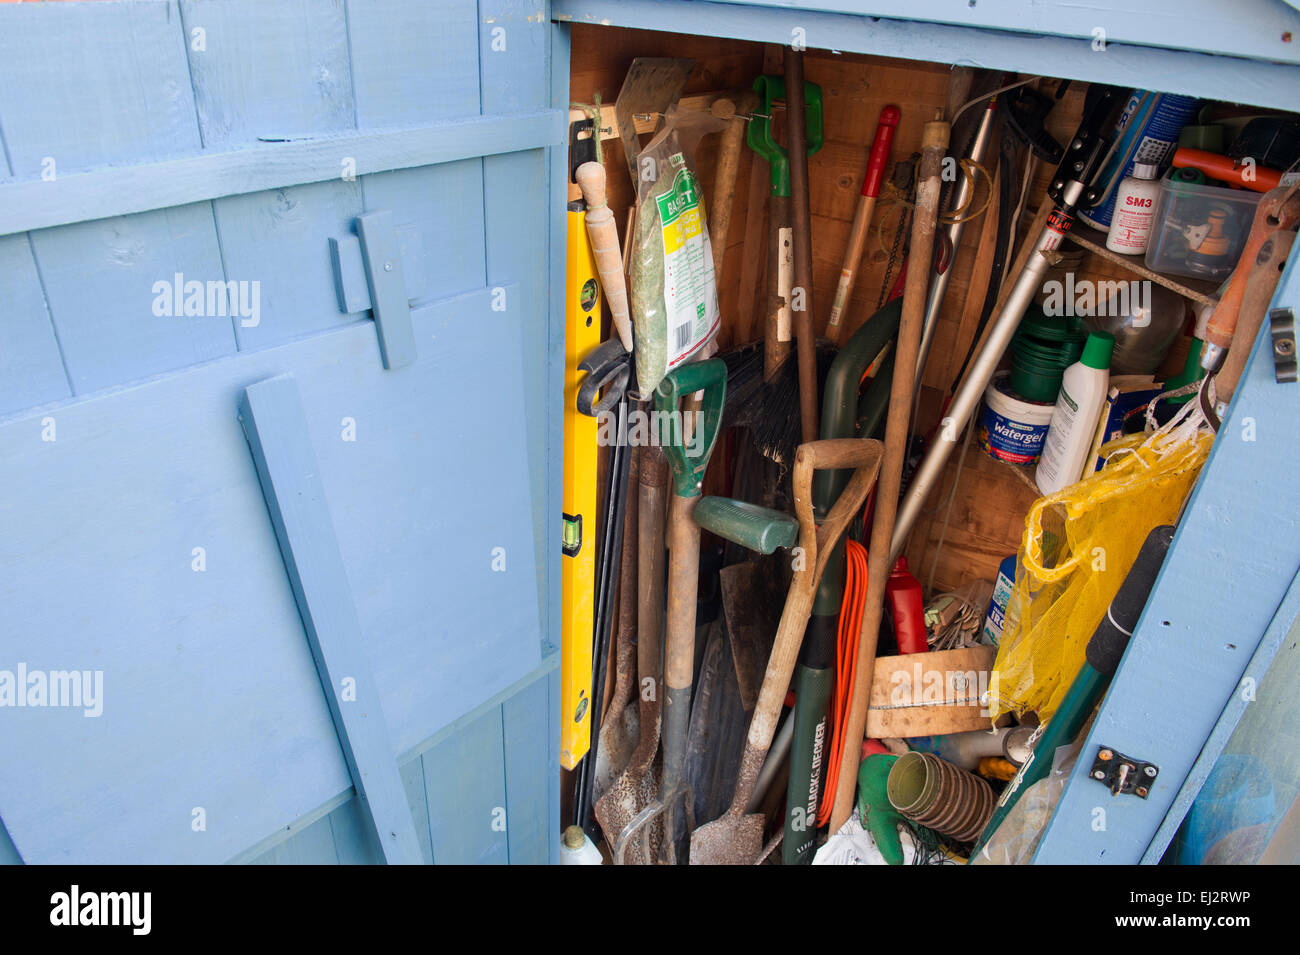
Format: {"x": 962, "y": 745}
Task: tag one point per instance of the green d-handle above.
{"x": 758, "y": 136}
{"x": 688, "y": 464}
{"x": 761, "y": 529}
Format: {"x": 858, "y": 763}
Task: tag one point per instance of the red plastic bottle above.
{"x": 908, "y": 609}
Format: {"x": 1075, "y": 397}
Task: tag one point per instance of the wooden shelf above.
{"x": 1094, "y": 240}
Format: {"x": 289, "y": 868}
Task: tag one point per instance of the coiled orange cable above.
{"x": 846, "y": 661}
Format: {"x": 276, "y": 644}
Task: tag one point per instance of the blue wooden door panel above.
{"x": 211, "y": 669}
{"x": 31, "y": 368}
{"x": 228, "y": 141}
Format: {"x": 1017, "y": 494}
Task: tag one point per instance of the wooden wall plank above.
{"x": 413, "y": 782}
{"x": 392, "y": 41}
{"x": 465, "y": 785}
{"x": 31, "y": 365}
{"x": 115, "y": 321}
{"x": 528, "y": 745}
{"x": 69, "y": 94}
{"x": 268, "y": 70}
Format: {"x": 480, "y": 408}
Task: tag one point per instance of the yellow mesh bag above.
{"x": 1078, "y": 545}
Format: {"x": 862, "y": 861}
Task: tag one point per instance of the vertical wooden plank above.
{"x": 113, "y": 286}
{"x": 353, "y": 844}
{"x": 416, "y": 797}
{"x": 444, "y": 204}
{"x": 31, "y": 365}
{"x": 268, "y": 70}
{"x": 277, "y": 432}
{"x": 280, "y": 240}
{"x": 273, "y": 71}
{"x": 519, "y": 192}
{"x": 413, "y": 62}
{"x": 85, "y": 85}
{"x": 464, "y": 778}
{"x": 69, "y": 100}
{"x": 528, "y": 747}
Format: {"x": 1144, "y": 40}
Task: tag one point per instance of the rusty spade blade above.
{"x": 635, "y": 787}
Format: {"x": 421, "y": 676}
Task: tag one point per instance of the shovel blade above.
{"x": 730, "y": 840}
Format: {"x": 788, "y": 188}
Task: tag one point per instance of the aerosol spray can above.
{"x": 1146, "y": 132}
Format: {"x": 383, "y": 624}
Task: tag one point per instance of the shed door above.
{"x": 203, "y": 197}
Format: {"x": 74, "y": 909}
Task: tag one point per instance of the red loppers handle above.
{"x": 881, "y": 143}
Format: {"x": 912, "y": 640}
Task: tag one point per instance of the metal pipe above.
{"x": 965, "y": 192}
{"x": 968, "y": 394}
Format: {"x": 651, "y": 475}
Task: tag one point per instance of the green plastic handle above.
{"x": 760, "y": 529}
{"x": 688, "y": 465}
{"x": 759, "y": 134}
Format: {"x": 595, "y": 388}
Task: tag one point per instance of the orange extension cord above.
{"x": 846, "y": 661}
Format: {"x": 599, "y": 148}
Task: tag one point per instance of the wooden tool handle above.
{"x": 817, "y": 544}
{"x": 777, "y": 333}
{"x": 934, "y": 143}
{"x": 724, "y": 180}
{"x": 1273, "y": 212}
{"x": 1260, "y": 286}
{"x": 683, "y": 581}
{"x": 877, "y": 162}
{"x": 605, "y": 248}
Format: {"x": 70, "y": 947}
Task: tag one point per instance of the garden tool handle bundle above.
{"x": 684, "y": 543}
{"x": 877, "y": 163}
{"x": 732, "y": 838}
{"x": 934, "y": 144}
{"x": 1071, "y": 187}
{"x": 605, "y": 246}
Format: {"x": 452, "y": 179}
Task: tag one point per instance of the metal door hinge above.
{"x": 1123, "y": 774}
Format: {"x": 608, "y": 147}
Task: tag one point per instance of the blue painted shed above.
{"x": 281, "y": 369}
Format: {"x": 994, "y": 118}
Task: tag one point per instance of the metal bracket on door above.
{"x": 377, "y": 269}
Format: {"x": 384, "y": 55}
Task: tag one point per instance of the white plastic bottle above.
{"x": 1135, "y": 209}
{"x": 1074, "y": 419}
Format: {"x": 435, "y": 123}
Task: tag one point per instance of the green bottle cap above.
{"x": 1096, "y": 352}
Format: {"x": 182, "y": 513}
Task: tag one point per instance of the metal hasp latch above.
{"x": 1282, "y": 324}
{"x": 375, "y": 269}
{"x": 1123, "y": 774}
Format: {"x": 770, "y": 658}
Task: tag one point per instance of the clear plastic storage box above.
{"x": 1199, "y": 230}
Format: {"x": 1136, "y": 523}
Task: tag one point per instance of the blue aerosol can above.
{"x": 1146, "y": 132}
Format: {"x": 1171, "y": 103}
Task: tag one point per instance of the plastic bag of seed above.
{"x": 674, "y": 291}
